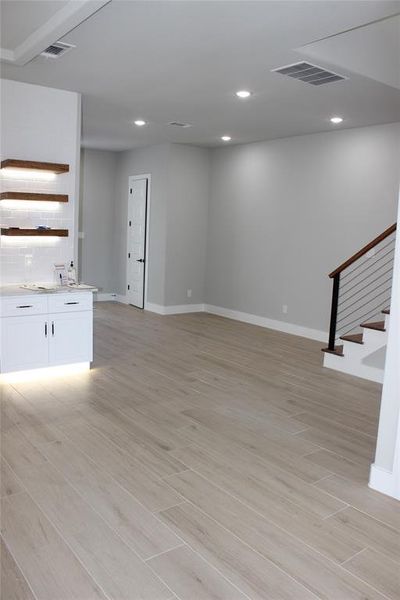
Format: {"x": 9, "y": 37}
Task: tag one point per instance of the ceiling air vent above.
{"x": 309, "y": 73}
{"x": 178, "y": 124}
{"x": 56, "y": 50}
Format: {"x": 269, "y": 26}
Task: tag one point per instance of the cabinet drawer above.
{"x": 61, "y": 303}
{"x": 17, "y": 306}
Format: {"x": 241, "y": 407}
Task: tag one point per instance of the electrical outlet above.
{"x": 284, "y": 309}
{"x": 189, "y": 293}
{"x": 28, "y": 260}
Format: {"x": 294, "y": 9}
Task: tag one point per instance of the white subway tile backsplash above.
{"x": 42, "y": 252}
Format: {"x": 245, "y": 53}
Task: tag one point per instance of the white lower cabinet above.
{"x": 34, "y": 341}
{"x": 24, "y": 343}
{"x": 70, "y": 338}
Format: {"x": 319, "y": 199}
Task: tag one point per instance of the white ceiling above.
{"x": 21, "y": 18}
{"x": 373, "y": 50}
{"x": 181, "y": 60}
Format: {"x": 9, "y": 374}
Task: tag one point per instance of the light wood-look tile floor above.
{"x": 200, "y": 459}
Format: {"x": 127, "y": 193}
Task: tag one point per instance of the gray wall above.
{"x": 154, "y": 161}
{"x": 187, "y": 224}
{"x": 248, "y": 227}
{"x": 283, "y": 214}
{"x": 96, "y": 218}
{"x": 178, "y": 220}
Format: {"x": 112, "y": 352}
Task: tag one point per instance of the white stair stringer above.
{"x": 355, "y": 356}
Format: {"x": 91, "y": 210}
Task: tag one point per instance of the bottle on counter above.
{"x": 71, "y": 273}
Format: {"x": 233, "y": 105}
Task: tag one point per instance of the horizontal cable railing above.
{"x": 362, "y": 287}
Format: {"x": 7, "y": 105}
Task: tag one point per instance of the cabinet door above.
{"x": 70, "y": 336}
{"x": 24, "y": 343}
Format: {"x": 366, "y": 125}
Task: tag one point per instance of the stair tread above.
{"x": 357, "y": 338}
{"x": 377, "y": 325}
{"x": 386, "y": 311}
{"x": 338, "y": 351}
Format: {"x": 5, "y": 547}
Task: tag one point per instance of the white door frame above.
{"x": 146, "y": 264}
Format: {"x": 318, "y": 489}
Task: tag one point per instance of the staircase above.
{"x": 360, "y": 311}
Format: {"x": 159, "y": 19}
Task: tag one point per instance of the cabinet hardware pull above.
{"x": 52, "y": 328}
{"x": 45, "y": 329}
{"x": 71, "y": 302}
{"x": 25, "y": 306}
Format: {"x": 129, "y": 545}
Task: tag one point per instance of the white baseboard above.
{"x": 386, "y": 482}
{"x": 176, "y": 309}
{"x": 313, "y": 334}
{"x": 353, "y": 367}
{"x": 105, "y": 297}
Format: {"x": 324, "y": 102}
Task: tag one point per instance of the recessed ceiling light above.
{"x": 336, "y": 120}
{"x": 243, "y": 94}
{"x": 140, "y": 122}
{"x": 226, "y": 138}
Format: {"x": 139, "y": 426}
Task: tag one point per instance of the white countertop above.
{"x": 17, "y": 290}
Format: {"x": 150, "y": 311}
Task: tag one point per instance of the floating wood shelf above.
{"x": 13, "y": 163}
{"x": 34, "y": 232}
{"x": 34, "y": 196}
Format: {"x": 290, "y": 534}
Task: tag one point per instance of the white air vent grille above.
{"x": 56, "y": 50}
{"x": 309, "y": 73}
{"x": 178, "y": 124}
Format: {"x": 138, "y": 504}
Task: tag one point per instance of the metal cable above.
{"x": 359, "y": 320}
{"x": 366, "y": 259}
{"x": 365, "y": 287}
{"x": 369, "y": 267}
{"x": 369, "y": 301}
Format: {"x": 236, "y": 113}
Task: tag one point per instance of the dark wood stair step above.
{"x": 338, "y": 351}
{"x": 377, "y": 325}
{"x": 357, "y": 338}
{"x": 386, "y": 311}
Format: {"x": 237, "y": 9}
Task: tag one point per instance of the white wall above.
{"x": 385, "y": 472}
{"x": 39, "y": 124}
{"x": 96, "y": 219}
{"x": 284, "y": 213}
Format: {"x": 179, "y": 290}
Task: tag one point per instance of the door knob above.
{"x": 140, "y": 260}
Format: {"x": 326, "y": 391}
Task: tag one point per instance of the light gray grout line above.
{"x": 165, "y": 551}
{"x": 372, "y": 517}
{"x": 102, "y": 518}
{"x": 322, "y": 479}
{"x": 366, "y": 582}
{"x": 354, "y": 555}
{"x": 175, "y": 595}
{"x": 345, "y": 428}
{"x": 301, "y": 431}
{"x": 242, "y": 541}
{"x": 336, "y": 454}
{"x": 213, "y": 567}
{"x": 19, "y": 567}
{"x": 336, "y": 512}
{"x": 60, "y": 534}
{"x": 160, "y": 510}
{"x": 154, "y": 513}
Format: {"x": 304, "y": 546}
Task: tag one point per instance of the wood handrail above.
{"x": 364, "y": 250}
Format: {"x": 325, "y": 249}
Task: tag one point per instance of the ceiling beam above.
{"x": 63, "y": 21}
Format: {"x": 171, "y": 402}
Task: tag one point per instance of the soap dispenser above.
{"x": 71, "y": 273}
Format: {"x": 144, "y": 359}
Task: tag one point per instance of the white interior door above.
{"x": 136, "y": 246}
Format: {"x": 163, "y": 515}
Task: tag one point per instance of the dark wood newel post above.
{"x": 334, "y": 311}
